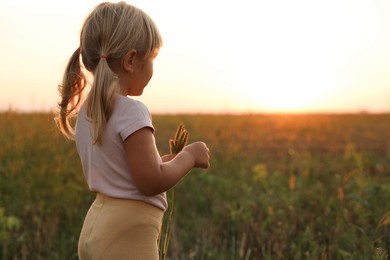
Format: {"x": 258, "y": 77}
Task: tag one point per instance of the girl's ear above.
{"x": 128, "y": 60}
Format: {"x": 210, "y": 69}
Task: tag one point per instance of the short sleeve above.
{"x": 132, "y": 116}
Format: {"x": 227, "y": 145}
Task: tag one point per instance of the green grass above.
{"x": 279, "y": 187}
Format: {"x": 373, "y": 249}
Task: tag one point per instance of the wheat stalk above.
{"x": 175, "y": 145}
{"x": 180, "y": 140}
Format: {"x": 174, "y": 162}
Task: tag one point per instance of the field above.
{"x": 279, "y": 187}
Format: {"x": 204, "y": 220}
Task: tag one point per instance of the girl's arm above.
{"x": 167, "y": 157}
{"x": 150, "y": 175}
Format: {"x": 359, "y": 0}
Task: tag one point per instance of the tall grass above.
{"x": 279, "y": 187}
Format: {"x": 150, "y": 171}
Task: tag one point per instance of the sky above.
{"x": 218, "y": 56}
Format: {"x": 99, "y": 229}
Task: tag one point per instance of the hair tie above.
{"x": 103, "y": 57}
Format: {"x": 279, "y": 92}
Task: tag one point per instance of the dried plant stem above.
{"x": 176, "y": 145}
{"x": 168, "y": 225}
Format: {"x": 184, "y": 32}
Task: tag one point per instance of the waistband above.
{"x": 127, "y": 203}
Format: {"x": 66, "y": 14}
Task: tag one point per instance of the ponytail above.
{"x": 100, "y": 99}
{"x": 71, "y": 91}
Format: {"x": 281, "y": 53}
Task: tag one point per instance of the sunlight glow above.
{"x": 218, "y": 56}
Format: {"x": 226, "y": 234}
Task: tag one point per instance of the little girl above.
{"x": 115, "y": 136}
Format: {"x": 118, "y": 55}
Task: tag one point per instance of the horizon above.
{"x": 52, "y": 111}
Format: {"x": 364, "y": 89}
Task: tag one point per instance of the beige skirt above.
{"x": 120, "y": 229}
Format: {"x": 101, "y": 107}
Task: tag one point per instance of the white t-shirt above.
{"x": 105, "y": 166}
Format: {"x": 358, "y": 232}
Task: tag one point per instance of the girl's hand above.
{"x": 201, "y": 154}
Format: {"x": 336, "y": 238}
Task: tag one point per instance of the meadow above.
{"x": 279, "y": 187}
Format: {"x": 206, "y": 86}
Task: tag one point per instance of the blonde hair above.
{"x": 108, "y": 33}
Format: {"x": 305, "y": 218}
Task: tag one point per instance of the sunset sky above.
{"x": 218, "y": 56}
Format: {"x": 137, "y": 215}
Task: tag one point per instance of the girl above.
{"x": 114, "y": 135}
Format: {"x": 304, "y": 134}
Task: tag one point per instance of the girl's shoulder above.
{"x": 129, "y": 115}
{"x": 126, "y": 102}
{"x": 129, "y": 107}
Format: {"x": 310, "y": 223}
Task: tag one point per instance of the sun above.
{"x": 288, "y": 98}
{"x": 291, "y": 90}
